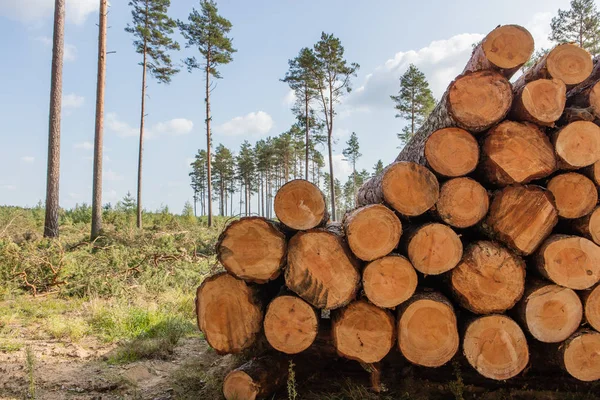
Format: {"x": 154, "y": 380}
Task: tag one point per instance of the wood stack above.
{"x": 499, "y": 180}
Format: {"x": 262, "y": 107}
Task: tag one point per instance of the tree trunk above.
{"x": 586, "y": 95}
{"x": 588, "y": 226}
{"x": 434, "y": 248}
{"x": 300, "y": 205}
{"x": 577, "y": 144}
{"x": 463, "y": 202}
{"x": 331, "y": 177}
{"x": 579, "y": 355}
{"x": 569, "y": 261}
{"x": 389, "y": 281}
{"x": 259, "y": 378}
{"x": 252, "y": 249}
{"x": 372, "y": 231}
{"x": 291, "y": 324}
{"x": 53, "y": 174}
{"x": 229, "y": 313}
{"x": 141, "y": 145}
{"x": 541, "y": 101}
{"x": 451, "y": 152}
{"x": 575, "y": 195}
{"x": 208, "y": 155}
{"x": 521, "y": 217}
{"x": 363, "y": 332}
{"x": 591, "y": 307}
{"x": 489, "y": 279}
{"x": 496, "y": 347}
{"x": 427, "y": 330}
{"x": 99, "y": 132}
{"x": 307, "y": 123}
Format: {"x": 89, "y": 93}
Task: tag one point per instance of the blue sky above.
{"x": 383, "y": 36}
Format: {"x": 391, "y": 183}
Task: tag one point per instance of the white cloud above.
{"x": 8, "y": 187}
{"x": 36, "y": 10}
{"x": 173, "y": 127}
{"x": 254, "y": 123}
{"x": 28, "y": 159}
{"x": 72, "y": 101}
{"x": 84, "y": 145}
{"x": 341, "y": 168}
{"x": 119, "y": 127}
{"x": 290, "y": 98}
{"x": 112, "y": 176}
{"x": 70, "y": 53}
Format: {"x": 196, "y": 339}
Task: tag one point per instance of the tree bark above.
{"x": 575, "y": 195}
{"x": 208, "y": 155}
{"x": 141, "y": 145}
{"x": 389, "y": 281}
{"x": 433, "y": 248}
{"x": 259, "y": 378}
{"x": 300, "y": 205}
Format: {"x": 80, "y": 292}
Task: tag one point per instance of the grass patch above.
{"x": 73, "y": 329}
{"x": 9, "y": 346}
{"x": 30, "y": 367}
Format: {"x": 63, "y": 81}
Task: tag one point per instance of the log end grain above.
{"x": 411, "y": 189}
{"x": 434, "y": 249}
{"x": 259, "y": 378}
{"x": 389, "y": 281}
{"x": 300, "y": 205}
{"x": 452, "y": 152}
{"x": 592, "y": 308}
{"x": 291, "y": 324}
{"x": 372, "y": 231}
{"x": 575, "y": 195}
{"x": 581, "y": 356}
{"x": 463, "y": 202}
{"x": 239, "y": 385}
{"x": 589, "y": 226}
{"x": 577, "y": 144}
{"x": 508, "y": 46}
{"x": 569, "y": 63}
{"x": 542, "y": 102}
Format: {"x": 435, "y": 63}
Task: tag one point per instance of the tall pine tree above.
{"x": 378, "y": 168}
{"x": 352, "y": 154}
{"x": 579, "y": 24}
{"x": 414, "y": 102}
{"x": 151, "y": 28}
{"x": 198, "y": 180}
{"x": 224, "y": 166}
{"x": 207, "y": 31}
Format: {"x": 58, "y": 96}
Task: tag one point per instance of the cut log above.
{"x": 541, "y": 101}
{"x": 389, "y": 281}
{"x": 259, "y": 378}
{"x": 504, "y": 49}
{"x": 580, "y": 355}
{"x": 514, "y": 152}
{"x": 591, "y": 307}
{"x": 586, "y": 95}
{"x": 574, "y": 194}
{"x": 588, "y": 226}
{"x": 489, "y": 279}
{"x": 463, "y": 202}
{"x": 593, "y": 172}
{"x": 253, "y": 249}
{"x": 372, "y": 231}
{"x": 566, "y": 62}
{"x": 300, "y": 205}
{"x": 229, "y": 313}
{"x": 577, "y": 144}
{"x": 427, "y": 330}
{"x": 551, "y": 313}
{"x": 321, "y": 269}
{"x": 569, "y": 261}
{"x": 521, "y": 217}
{"x": 363, "y": 332}
{"x": 452, "y": 152}
{"x": 409, "y": 188}
{"x": 291, "y": 324}
{"x": 496, "y": 347}
{"x": 434, "y": 249}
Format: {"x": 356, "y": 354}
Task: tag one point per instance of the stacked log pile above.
{"x": 480, "y": 242}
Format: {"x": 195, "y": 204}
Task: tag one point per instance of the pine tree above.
{"x": 207, "y": 31}
{"x": 579, "y": 24}
{"x": 352, "y": 154}
{"x": 378, "y": 168}
{"x": 151, "y": 28}
{"x": 354, "y": 180}
{"x": 332, "y": 75}
{"x": 414, "y": 102}
{"x": 224, "y": 167}
{"x": 198, "y": 178}
{"x": 246, "y": 171}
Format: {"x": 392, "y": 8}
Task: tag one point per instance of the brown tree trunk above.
{"x": 300, "y": 205}
{"x": 541, "y": 101}
{"x": 451, "y": 152}
{"x": 141, "y": 145}
{"x": 577, "y": 144}
{"x": 389, "y": 281}
{"x": 53, "y": 174}
{"x": 259, "y": 378}
{"x": 208, "y": 155}
{"x": 463, "y": 202}
{"x": 575, "y": 195}
{"x": 579, "y": 355}
{"x": 434, "y": 248}
{"x": 331, "y": 178}
{"x": 306, "y": 101}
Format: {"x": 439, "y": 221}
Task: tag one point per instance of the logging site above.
{"x": 427, "y": 228}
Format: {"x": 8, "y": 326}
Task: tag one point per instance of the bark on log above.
{"x": 521, "y": 217}
{"x": 586, "y": 95}
{"x": 291, "y": 324}
{"x": 259, "y": 378}
{"x": 253, "y": 249}
{"x": 427, "y": 330}
{"x": 574, "y": 194}
{"x": 389, "y": 281}
{"x": 434, "y": 249}
{"x": 363, "y": 332}
{"x": 591, "y": 307}
{"x": 580, "y": 355}
{"x": 300, "y": 205}
{"x": 463, "y": 202}
{"x": 489, "y": 279}
{"x": 229, "y": 313}
{"x": 451, "y": 152}
{"x": 588, "y": 226}
{"x": 541, "y": 101}
{"x": 577, "y": 144}
{"x": 572, "y": 114}
{"x": 514, "y": 152}
{"x": 408, "y": 188}
{"x": 321, "y": 268}
{"x": 569, "y": 261}
{"x": 496, "y": 347}
{"x": 372, "y": 231}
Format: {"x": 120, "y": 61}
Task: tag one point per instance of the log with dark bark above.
{"x": 451, "y": 152}
{"x": 541, "y": 101}
{"x": 521, "y": 217}
{"x": 514, "y": 152}
{"x": 434, "y": 249}
{"x": 463, "y": 202}
{"x": 408, "y": 188}
{"x": 572, "y": 114}
{"x": 229, "y": 313}
{"x": 577, "y": 144}
{"x": 489, "y": 279}
{"x": 253, "y": 249}
{"x": 575, "y": 195}
{"x": 389, "y": 281}
{"x": 363, "y": 332}
{"x": 372, "y": 231}
{"x": 291, "y": 324}
{"x": 300, "y": 205}
{"x": 569, "y": 261}
{"x": 321, "y": 268}
{"x": 591, "y": 307}
{"x": 588, "y": 226}
{"x": 580, "y": 355}
{"x": 586, "y": 95}
{"x": 427, "y": 330}
{"x": 550, "y": 313}
{"x": 259, "y": 378}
